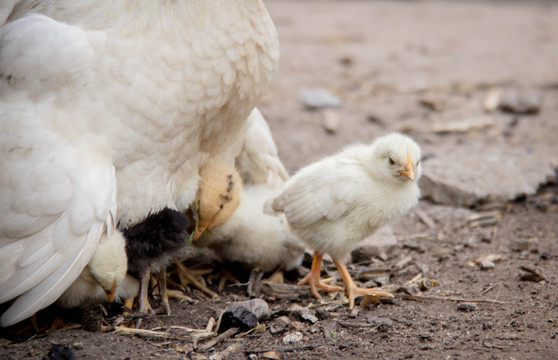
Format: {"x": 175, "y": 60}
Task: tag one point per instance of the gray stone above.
{"x": 293, "y": 337}
{"x": 305, "y": 314}
{"x": 330, "y": 121}
{"x": 523, "y": 244}
{"x": 478, "y": 172}
{"x": 244, "y": 315}
{"x": 487, "y": 265}
{"x": 466, "y": 306}
{"x": 319, "y": 98}
{"x": 521, "y": 101}
{"x": 380, "y": 244}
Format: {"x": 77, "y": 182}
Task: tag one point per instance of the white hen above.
{"x": 113, "y": 104}
{"x": 255, "y": 239}
{"x": 335, "y": 203}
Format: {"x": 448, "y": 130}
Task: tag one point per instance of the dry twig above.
{"x": 227, "y": 334}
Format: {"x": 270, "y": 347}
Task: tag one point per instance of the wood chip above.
{"x": 230, "y": 350}
{"x": 272, "y": 355}
{"x": 484, "y": 219}
{"x": 532, "y": 274}
{"x": 425, "y": 218}
{"x": 222, "y": 337}
{"x": 461, "y": 126}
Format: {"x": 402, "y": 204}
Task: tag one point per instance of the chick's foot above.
{"x": 352, "y": 290}
{"x": 313, "y": 278}
{"x": 186, "y": 276}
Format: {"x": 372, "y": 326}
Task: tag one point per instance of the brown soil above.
{"x": 382, "y": 58}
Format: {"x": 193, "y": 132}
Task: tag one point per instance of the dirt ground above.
{"x": 396, "y": 66}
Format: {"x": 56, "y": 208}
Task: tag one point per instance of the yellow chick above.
{"x": 335, "y": 203}
{"x": 218, "y": 195}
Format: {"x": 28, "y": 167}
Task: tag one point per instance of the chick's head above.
{"x": 218, "y": 195}
{"x": 109, "y": 264}
{"x": 399, "y": 158}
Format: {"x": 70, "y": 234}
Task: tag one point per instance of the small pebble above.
{"x": 60, "y": 352}
{"x": 244, "y": 315}
{"x": 304, "y": 314}
{"x": 466, "y": 306}
{"x": 330, "y": 121}
{"x": 524, "y": 244}
{"x": 521, "y": 101}
{"x": 293, "y": 337}
{"x": 487, "y": 265}
{"x": 319, "y": 98}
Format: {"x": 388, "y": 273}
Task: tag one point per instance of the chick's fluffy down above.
{"x": 253, "y": 238}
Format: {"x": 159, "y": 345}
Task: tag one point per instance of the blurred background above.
{"x": 475, "y": 82}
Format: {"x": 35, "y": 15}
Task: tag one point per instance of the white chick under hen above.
{"x": 99, "y": 280}
{"x": 335, "y": 203}
{"x": 255, "y": 239}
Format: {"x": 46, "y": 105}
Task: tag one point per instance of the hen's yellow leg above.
{"x": 313, "y": 278}
{"x": 353, "y": 290}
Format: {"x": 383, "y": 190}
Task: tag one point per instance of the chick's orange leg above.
{"x": 352, "y": 290}
{"x": 313, "y": 278}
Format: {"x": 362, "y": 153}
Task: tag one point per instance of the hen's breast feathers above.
{"x": 170, "y": 97}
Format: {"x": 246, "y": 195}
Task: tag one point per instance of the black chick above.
{"x": 151, "y": 246}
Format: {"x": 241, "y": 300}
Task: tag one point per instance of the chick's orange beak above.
{"x": 409, "y": 171}
{"x": 199, "y": 232}
{"x": 112, "y": 292}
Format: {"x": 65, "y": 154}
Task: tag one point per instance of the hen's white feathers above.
{"x": 57, "y": 200}
{"x": 113, "y": 104}
{"x": 258, "y": 162}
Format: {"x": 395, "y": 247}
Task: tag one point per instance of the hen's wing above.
{"x": 57, "y": 199}
{"x": 324, "y": 190}
{"x": 56, "y": 196}
{"x": 258, "y": 162}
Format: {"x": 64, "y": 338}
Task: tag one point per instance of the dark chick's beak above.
{"x": 111, "y": 294}
{"x": 409, "y": 171}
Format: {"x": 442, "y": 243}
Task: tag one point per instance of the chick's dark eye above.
{"x": 391, "y": 161}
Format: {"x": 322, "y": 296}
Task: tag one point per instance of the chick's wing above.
{"x": 326, "y": 191}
